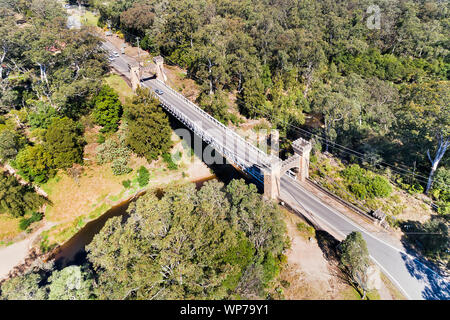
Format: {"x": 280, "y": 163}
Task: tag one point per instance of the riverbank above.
{"x": 18, "y": 257}
{"x": 16, "y": 254}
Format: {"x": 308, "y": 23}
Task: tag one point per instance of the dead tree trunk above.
{"x": 443, "y": 144}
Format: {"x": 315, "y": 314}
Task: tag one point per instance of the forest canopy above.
{"x": 216, "y": 242}
{"x": 381, "y": 92}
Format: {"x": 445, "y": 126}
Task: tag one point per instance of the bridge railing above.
{"x": 265, "y": 157}
{"x": 220, "y": 147}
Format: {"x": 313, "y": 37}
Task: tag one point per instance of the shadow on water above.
{"x": 73, "y": 251}
{"x": 222, "y": 170}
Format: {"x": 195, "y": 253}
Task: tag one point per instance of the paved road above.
{"x": 412, "y": 277}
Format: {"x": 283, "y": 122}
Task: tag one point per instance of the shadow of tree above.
{"x": 328, "y": 244}
{"x": 437, "y": 287}
{"x": 431, "y": 240}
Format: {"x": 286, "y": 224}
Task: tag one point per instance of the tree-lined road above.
{"x": 412, "y": 277}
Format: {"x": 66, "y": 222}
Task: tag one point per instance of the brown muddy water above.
{"x": 73, "y": 250}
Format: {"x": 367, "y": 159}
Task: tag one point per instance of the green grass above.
{"x": 352, "y": 294}
{"x": 26, "y": 222}
{"x": 117, "y": 83}
{"x": 117, "y": 197}
{"x": 89, "y": 19}
{"x": 395, "y": 293}
{"x": 98, "y": 211}
{"x": 305, "y": 230}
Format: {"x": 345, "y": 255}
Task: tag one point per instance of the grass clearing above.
{"x": 9, "y": 228}
{"x": 117, "y": 83}
{"x": 352, "y": 294}
{"x": 399, "y": 205}
{"x": 89, "y": 19}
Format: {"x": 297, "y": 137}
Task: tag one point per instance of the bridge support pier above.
{"x": 135, "y": 78}
{"x": 302, "y": 148}
{"x": 160, "y": 74}
{"x": 272, "y": 181}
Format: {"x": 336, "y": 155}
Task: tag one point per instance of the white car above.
{"x": 116, "y": 54}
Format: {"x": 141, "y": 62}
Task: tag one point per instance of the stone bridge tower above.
{"x": 300, "y": 160}
{"x": 135, "y": 77}
{"x": 302, "y": 148}
{"x": 160, "y": 74}
{"x": 272, "y": 180}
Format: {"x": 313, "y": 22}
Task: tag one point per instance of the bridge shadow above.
{"x": 143, "y": 79}
{"x": 418, "y": 241}
{"x": 330, "y": 249}
{"x": 223, "y": 170}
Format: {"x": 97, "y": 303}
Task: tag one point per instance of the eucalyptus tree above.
{"x": 355, "y": 259}
{"x": 426, "y": 121}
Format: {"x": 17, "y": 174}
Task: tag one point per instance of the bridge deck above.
{"x": 238, "y": 151}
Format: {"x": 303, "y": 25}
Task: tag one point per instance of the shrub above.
{"x": 111, "y": 150}
{"x": 441, "y": 190}
{"x": 354, "y": 174}
{"x": 444, "y": 207}
{"x": 148, "y": 133}
{"x": 379, "y": 187}
{"x": 119, "y": 166}
{"x": 35, "y": 163}
{"x": 107, "y": 109}
{"x": 126, "y": 183}
{"x": 100, "y": 138}
{"x": 305, "y": 229}
{"x": 364, "y": 185}
{"x": 143, "y": 176}
{"x": 169, "y": 161}
{"x": 177, "y": 156}
{"x": 26, "y": 222}
{"x": 64, "y": 142}
{"x": 359, "y": 190}
{"x": 10, "y": 144}
{"x": 115, "y": 152}
{"x": 415, "y": 188}
{"x": 43, "y": 116}
{"x": 271, "y": 267}
{"x": 17, "y": 199}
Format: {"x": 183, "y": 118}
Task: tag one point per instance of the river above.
{"x": 73, "y": 250}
